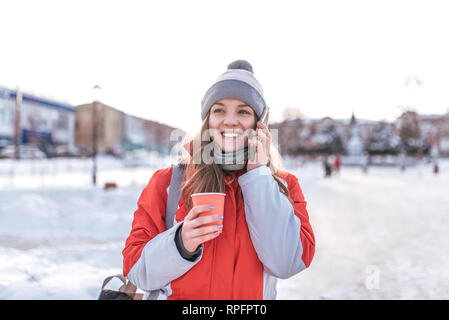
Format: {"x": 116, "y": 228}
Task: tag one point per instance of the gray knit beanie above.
{"x": 237, "y": 82}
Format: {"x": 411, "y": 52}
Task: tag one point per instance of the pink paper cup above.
{"x": 213, "y": 199}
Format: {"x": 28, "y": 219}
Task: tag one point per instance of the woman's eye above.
{"x": 241, "y": 111}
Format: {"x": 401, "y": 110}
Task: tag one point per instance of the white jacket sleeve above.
{"x": 160, "y": 262}
{"x": 273, "y": 226}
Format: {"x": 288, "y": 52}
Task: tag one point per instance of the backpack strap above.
{"x": 174, "y": 193}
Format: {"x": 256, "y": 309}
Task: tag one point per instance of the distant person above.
{"x": 337, "y": 163}
{"x": 326, "y": 166}
{"x": 366, "y": 160}
{"x": 264, "y": 233}
{"x": 436, "y": 168}
{"x": 402, "y": 160}
{"x": 434, "y": 154}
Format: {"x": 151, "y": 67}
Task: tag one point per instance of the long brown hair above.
{"x": 204, "y": 177}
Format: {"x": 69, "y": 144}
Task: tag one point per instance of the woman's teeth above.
{"x": 230, "y": 135}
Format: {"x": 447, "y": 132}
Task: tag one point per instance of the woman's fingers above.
{"x": 199, "y": 221}
{"x": 199, "y": 232}
{"x": 264, "y": 128}
{"x": 192, "y": 237}
{"x": 207, "y": 237}
{"x": 264, "y": 134}
{"x": 261, "y": 155}
{"x": 195, "y": 211}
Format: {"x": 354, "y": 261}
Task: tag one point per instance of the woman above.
{"x": 264, "y": 233}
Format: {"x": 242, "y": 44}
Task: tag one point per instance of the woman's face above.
{"x": 230, "y": 122}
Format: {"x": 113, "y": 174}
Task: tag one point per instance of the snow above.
{"x": 381, "y": 235}
{"x": 386, "y": 224}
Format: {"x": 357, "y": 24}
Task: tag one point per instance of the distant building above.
{"x": 289, "y": 135}
{"x": 43, "y": 122}
{"x": 303, "y": 136}
{"x": 118, "y": 132}
{"x": 49, "y": 124}
{"x": 108, "y": 129}
{"x": 134, "y": 133}
{"x": 435, "y": 131}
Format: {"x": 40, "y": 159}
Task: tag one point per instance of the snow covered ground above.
{"x": 381, "y": 235}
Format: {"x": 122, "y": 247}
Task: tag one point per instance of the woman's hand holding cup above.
{"x": 194, "y": 232}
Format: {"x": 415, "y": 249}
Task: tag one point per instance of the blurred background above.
{"x": 97, "y": 95}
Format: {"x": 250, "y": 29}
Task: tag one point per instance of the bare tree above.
{"x": 410, "y": 132}
{"x": 292, "y": 113}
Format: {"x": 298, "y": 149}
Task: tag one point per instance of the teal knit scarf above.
{"x": 231, "y": 161}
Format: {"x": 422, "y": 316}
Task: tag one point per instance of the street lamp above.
{"x": 17, "y": 121}
{"x": 95, "y": 88}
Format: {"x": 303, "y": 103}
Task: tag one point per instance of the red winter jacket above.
{"x": 264, "y": 237}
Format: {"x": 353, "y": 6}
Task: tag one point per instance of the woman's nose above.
{"x": 230, "y": 120}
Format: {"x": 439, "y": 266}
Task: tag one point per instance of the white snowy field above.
{"x": 381, "y": 235}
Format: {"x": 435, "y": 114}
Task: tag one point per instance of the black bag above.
{"x": 126, "y": 292}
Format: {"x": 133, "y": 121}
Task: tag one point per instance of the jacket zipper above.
{"x": 212, "y": 270}
{"x": 214, "y": 245}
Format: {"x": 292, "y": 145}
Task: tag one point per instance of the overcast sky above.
{"x": 156, "y": 59}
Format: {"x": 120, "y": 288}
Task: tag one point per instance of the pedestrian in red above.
{"x": 337, "y": 163}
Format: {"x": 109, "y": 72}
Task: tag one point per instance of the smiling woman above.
{"x": 230, "y": 122}
{"x": 262, "y": 231}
